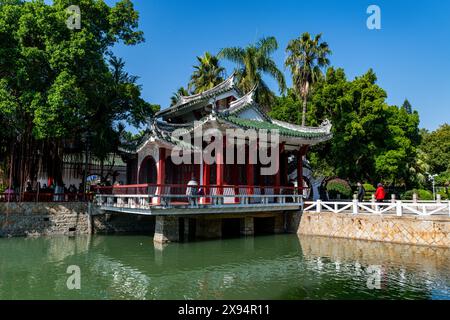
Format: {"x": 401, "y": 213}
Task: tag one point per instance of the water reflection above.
{"x": 271, "y": 267}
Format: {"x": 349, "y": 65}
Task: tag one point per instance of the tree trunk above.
{"x": 305, "y": 101}
{"x": 304, "y": 111}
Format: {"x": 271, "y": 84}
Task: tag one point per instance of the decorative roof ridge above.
{"x": 325, "y": 126}
{"x": 243, "y": 101}
{"x": 318, "y": 135}
{"x": 226, "y": 85}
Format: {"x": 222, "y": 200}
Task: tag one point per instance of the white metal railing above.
{"x": 395, "y": 207}
{"x": 228, "y": 199}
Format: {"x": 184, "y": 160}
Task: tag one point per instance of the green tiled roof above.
{"x": 267, "y": 125}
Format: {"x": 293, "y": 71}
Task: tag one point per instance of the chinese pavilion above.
{"x": 222, "y": 107}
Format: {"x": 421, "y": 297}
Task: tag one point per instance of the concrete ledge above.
{"x": 415, "y": 230}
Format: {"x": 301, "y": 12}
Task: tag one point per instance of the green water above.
{"x": 269, "y": 267}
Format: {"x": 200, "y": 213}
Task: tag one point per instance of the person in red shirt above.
{"x": 380, "y": 193}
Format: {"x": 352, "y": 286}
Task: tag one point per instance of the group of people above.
{"x": 380, "y": 193}
{"x": 192, "y": 192}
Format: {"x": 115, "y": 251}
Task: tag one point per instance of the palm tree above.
{"x": 177, "y": 95}
{"x": 207, "y": 74}
{"x": 306, "y": 59}
{"x": 253, "y": 62}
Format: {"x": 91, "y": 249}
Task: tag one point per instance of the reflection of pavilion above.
{"x": 239, "y": 180}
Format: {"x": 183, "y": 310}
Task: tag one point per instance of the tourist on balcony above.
{"x": 361, "y": 192}
{"x": 29, "y": 187}
{"x": 380, "y": 193}
{"x": 191, "y": 191}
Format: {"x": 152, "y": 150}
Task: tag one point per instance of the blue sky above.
{"x": 410, "y": 54}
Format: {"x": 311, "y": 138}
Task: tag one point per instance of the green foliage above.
{"x": 436, "y": 146}
{"x": 339, "y": 186}
{"x": 253, "y": 62}
{"x": 421, "y": 194}
{"x": 443, "y": 179}
{"x": 177, "y": 95}
{"x": 369, "y": 187}
{"x": 445, "y": 195}
{"x": 371, "y": 141}
{"x": 407, "y": 106}
{"x": 59, "y": 85}
{"x": 207, "y": 74}
{"x": 306, "y": 57}
{"x": 286, "y": 107}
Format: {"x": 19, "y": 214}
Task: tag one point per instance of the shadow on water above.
{"x": 264, "y": 267}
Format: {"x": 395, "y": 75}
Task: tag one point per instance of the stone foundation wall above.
{"x": 123, "y": 223}
{"x": 71, "y": 218}
{"x": 36, "y": 219}
{"x": 208, "y": 228}
{"x": 415, "y": 230}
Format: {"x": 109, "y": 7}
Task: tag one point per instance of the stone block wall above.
{"x": 416, "y": 230}
{"x": 36, "y": 219}
{"x": 69, "y": 218}
{"x": 208, "y": 228}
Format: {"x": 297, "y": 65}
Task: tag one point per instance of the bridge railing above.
{"x": 396, "y": 207}
{"x": 173, "y": 195}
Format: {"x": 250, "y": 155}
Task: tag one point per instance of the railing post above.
{"x": 414, "y": 197}
{"x": 318, "y": 206}
{"x": 373, "y": 201}
{"x": 448, "y": 207}
{"x": 393, "y": 198}
{"x": 355, "y": 204}
{"x": 399, "y": 208}
{"x": 438, "y": 198}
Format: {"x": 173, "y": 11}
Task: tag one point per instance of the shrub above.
{"x": 369, "y": 187}
{"x": 2, "y": 188}
{"x": 339, "y": 186}
{"x": 421, "y": 194}
{"x": 444, "y": 195}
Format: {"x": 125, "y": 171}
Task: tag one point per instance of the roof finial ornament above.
{"x": 325, "y": 123}
{"x": 152, "y": 125}
{"x": 214, "y": 106}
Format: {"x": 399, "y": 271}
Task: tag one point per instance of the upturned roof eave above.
{"x": 186, "y": 101}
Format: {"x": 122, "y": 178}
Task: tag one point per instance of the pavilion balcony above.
{"x": 173, "y": 198}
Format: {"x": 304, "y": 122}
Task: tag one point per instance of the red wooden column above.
{"x": 205, "y": 181}
{"x": 160, "y": 174}
{"x": 278, "y": 174}
{"x": 220, "y": 169}
{"x": 250, "y": 172}
{"x": 301, "y": 154}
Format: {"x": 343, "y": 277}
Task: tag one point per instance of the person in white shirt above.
{"x": 191, "y": 191}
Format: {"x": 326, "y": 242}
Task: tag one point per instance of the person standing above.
{"x": 361, "y": 192}
{"x": 380, "y": 193}
{"x": 191, "y": 191}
